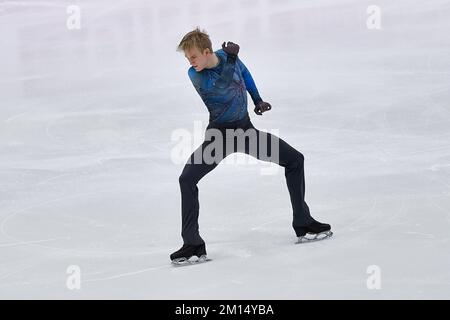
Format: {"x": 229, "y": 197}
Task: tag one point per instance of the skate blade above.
{"x": 311, "y": 237}
{"x": 180, "y": 262}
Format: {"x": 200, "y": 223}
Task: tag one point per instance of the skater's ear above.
{"x": 206, "y": 51}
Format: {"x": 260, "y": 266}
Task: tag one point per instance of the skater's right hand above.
{"x": 231, "y": 48}
{"x": 262, "y": 107}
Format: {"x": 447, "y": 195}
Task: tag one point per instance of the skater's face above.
{"x": 197, "y": 59}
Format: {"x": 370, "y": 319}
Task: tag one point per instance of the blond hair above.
{"x": 195, "y": 39}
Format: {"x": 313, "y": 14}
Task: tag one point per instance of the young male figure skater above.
{"x": 222, "y": 81}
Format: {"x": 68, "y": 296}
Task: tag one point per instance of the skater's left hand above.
{"x": 230, "y": 48}
{"x": 262, "y": 107}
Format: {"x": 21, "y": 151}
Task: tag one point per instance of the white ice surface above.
{"x": 86, "y": 176}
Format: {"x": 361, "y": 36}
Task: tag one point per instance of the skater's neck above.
{"x": 213, "y": 61}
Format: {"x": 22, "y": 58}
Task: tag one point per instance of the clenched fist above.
{"x": 231, "y": 48}
{"x": 262, "y": 107}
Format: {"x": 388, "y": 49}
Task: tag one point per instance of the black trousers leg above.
{"x": 293, "y": 163}
{"x": 191, "y": 175}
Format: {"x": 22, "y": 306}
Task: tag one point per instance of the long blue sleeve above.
{"x": 249, "y": 82}
{"x": 226, "y": 76}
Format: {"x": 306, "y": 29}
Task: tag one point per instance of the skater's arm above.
{"x": 226, "y": 76}
{"x": 196, "y": 79}
{"x": 249, "y": 83}
{"x": 260, "y": 105}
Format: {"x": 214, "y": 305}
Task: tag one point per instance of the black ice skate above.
{"x": 185, "y": 255}
{"x": 313, "y": 232}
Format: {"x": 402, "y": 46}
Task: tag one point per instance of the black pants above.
{"x": 197, "y": 167}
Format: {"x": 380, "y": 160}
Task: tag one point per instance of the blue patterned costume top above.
{"x": 223, "y": 89}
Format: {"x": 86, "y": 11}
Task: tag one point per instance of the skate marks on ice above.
{"x": 23, "y": 210}
{"x": 127, "y": 274}
{"x": 41, "y": 243}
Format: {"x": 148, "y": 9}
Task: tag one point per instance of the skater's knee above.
{"x": 184, "y": 178}
{"x": 299, "y": 159}
{"x": 187, "y": 178}
{"x": 294, "y": 161}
